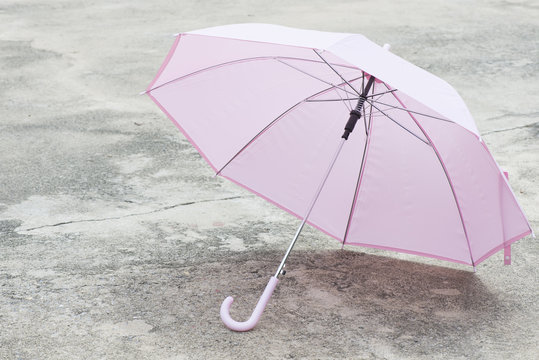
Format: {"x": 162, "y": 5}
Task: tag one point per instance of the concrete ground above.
{"x": 116, "y": 241}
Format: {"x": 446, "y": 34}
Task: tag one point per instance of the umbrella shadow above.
{"x": 329, "y": 304}
{"x": 389, "y": 283}
{"x": 345, "y": 298}
{"x": 404, "y": 302}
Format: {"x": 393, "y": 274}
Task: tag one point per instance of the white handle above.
{"x": 255, "y": 316}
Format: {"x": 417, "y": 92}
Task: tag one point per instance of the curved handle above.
{"x": 255, "y": 316}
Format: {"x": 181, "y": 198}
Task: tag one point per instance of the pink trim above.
{"x": 412, "y": 252}
{"x": 501, "y": 246}
{"x": 165, "y": 63}
{"x": 182, "y": 130}
{"x": 446, "y": 174}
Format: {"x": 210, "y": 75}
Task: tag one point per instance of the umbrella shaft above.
{"x": 311, "y": 206}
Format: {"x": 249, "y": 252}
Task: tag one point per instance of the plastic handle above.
{"x": 255, "y": 316}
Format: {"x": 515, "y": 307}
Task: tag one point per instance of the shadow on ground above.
{"x": 329, "y": 303}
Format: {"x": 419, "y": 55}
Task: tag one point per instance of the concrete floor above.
{"x": 116, "y": 241}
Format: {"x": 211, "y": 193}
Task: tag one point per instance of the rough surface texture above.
{"x": 117, "y": 242}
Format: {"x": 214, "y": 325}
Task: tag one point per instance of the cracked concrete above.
{"x": 510, "y": 129}
{"x": 168, "y": 207}
{"x": 117, "y": 241}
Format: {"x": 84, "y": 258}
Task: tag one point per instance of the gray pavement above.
{"x": 116, "y": 241}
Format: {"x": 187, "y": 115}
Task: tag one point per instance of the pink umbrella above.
{"x": 266, "y": 106}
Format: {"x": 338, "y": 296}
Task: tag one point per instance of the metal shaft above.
{"x": 311, "y": 206}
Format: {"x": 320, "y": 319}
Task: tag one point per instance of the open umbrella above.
{"x": 274, "y": 110}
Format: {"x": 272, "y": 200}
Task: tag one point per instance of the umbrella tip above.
{"x": 387, "y": 47}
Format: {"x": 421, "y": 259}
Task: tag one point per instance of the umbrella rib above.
{"x": 367, "y": 96}
{"x": 313, "y": 76}
{"x": 365, "y": 120}
{"x": 446, "y": 175}
{"x": 381, "y": 94}
{"x": 336, "y": 72}
{"x": 274, "y": 121}
{"x": 237, "y": 61}
{"x": 331, "y": 100}
{"x": 348, "y": 107}
{"x": 396, "y": 122}
{"x": 371, "y": 116}
{"x": 410, "y": 111}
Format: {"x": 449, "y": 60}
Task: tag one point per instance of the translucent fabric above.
{"x": 268, "y": 114}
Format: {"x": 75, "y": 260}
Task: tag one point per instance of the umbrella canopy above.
{"x": 266, "y": 107}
